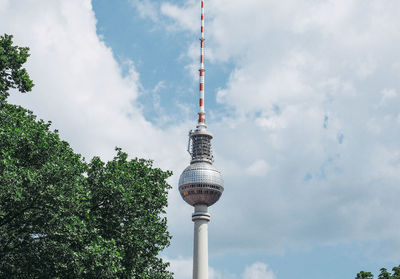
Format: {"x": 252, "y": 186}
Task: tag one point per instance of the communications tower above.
{"x": 201, "y": 184}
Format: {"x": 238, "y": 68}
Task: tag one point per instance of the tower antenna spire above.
{"x": 202, "y": 114}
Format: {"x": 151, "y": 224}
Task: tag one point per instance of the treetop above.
{"x": 12, "y": 75}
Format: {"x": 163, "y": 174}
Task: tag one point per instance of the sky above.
{"x": 302, "y": 98}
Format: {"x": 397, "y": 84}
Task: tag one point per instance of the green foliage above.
{"x": 383, "y": 275}
{"x": 127, "y": 200}
{"x": 12, "y": 75}
{"x": 63, "y": 218}
{"x": 396, "y": 272}
{"x": 364, "y": 275}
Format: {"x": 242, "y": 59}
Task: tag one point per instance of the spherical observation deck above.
{"x": 201, "y": 183}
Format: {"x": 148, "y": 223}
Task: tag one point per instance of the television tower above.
{"x": 201, "y": 184}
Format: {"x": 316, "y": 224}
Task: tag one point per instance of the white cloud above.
{"x": 146, "y": 9}
{"x": 387, "y": 95}
{"x": 79, "y": 85}
{"x": 4, "y": 4}
{"x": 214, "y": 274}
{"x": 258, "y": 168}
{"x": 313, "y": 92}
{"x": 258, "y": 270}
{"x": 182, "y": 269}
{"x": 185, "y": 18}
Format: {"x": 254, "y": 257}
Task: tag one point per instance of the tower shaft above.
{"x": 200, "y": 218}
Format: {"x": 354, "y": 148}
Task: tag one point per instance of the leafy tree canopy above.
{"x": 61, "y": 217}
{"x": 383, "y": 275}
{"x": 364, "y": 275}
{"x": 12, "y": 75}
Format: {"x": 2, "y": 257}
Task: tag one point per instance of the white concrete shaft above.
{"x": 200, "y": 218}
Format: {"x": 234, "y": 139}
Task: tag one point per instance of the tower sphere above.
{"x": 201, "y": 183}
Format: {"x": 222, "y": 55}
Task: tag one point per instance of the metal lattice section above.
{"x": 201, "y": 148}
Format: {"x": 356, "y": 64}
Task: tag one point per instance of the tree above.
{"x": 383, "y": 275}
{"x": 61, "y": 217}
{"x": 396, "y": 272}
{"x": 364, "y": 275}
{"x": 41, "y": 189}
{"x": 127, "y": 200}
{"x": 12, "y": 75}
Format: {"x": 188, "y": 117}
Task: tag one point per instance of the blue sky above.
{"x": 302, "y": 98}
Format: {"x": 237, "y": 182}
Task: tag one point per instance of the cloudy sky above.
{"x": 302, "y": 97}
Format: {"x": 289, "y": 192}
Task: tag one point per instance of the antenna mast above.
{"x": 202, "y": 117}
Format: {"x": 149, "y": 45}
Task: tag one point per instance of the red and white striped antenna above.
{"x": 202, "y": 114}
